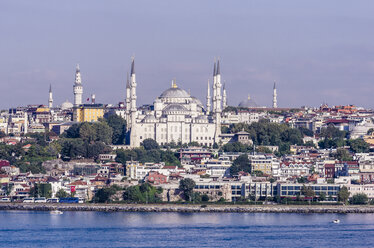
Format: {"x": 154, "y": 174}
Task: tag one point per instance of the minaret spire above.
{"x": 208, "y": 99}
{"x": 224, "y": 97}
{"x": 128, "y": 101}
{"x": 214, "y": 86}
{"x": 275, "y": 101}
{"x": 218, "y": 72}
{"x": 50, "y": 99}
{"x": 132, "y": 66}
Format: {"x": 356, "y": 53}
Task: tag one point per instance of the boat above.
{"x": 337, "y": 221}
{"x": 56, "y": 212}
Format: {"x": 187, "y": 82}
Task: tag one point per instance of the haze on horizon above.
{"x": 317, "y": 51}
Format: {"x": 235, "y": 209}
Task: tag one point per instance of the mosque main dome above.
{"x": 248, "y": 103}
{"x": 174, "y": 92}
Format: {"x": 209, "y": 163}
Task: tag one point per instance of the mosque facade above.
{"x": 176, "y": 116}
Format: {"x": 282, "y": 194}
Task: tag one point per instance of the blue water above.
{"x": 99, "y": 229}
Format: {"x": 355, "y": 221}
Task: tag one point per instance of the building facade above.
{"x": 176, "y": 115}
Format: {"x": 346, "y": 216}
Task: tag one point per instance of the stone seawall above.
{"x": 185, "y": 208}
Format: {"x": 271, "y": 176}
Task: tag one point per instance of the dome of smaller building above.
{"x": 149, "y": 118}
{"x": 201, "y": 119}
{"x": 248, "y": 103}
{"x": 197, "y": 101}
{"x": 66, "y": 105}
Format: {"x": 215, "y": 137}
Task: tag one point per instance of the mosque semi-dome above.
{"x": 175, "y": 109}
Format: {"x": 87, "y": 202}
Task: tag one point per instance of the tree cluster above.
{"x": 41, "y": 190}
{"x": 144, "y": 193}
{"x": 143, "y": 156}
{"x": 103, "y": 195}
{"x": 240, "y": 164}
{"x": 265, "y": 133}
{"x": 187, "y": 186}
{"x": 236, "y": 147}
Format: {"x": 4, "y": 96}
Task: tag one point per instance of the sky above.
{"x": 317, "y": 51}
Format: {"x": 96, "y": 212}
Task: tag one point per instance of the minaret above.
{"x": 208, "y": 104}
{"x": 134, "y": 139}
{"x": 214, "y": 87}
{"x": 224, "y": 97}
{"x": 93, "y": 98}
{"x": 218, "y": 103}
{"x": 275, "y": 104}
{"x": 218, "y": 90}
{"x": 50, "y": 100}
{"x": 78, "y": 88}
{"x": 25, "y": 124}
{"x": 128, "y": 102}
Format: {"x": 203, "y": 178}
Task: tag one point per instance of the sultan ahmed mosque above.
{"x": 176, "y": 116}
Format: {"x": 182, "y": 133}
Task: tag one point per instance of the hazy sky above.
{"x": 317, "y": 51}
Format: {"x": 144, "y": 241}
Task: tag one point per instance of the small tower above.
{"x": 78, "y": 88}
{"x": 224, "y": 97}
{"x": 134, "y": 139}
{"x": 128, "y": 102}
{"x": 25, "y": 123}
{"x": 50, "y": 100}
{"x": 217, "y": 102}
{"x": 275, "y": 103}
{"x": 208, "y": 104}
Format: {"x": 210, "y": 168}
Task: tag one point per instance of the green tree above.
{"x": 72, "y": 132}
{"x": 118, "y": 125}
{"x": 205, "y": 198}
{"x": 307, "y": 191}
{"x": 241, "y": 163}
{"x": 41, "y": 190}
{"x": 306, "y": 131}
{"x": 258, "y": 173}
{"x": 186, "y": 186}
{"x": 150, "y": 144}
{"x": 322, "y": 196}
{"x": 342, "y": 155}
{"x": 61, "y": 194}
{"x": 103, "y": 195}
{"x": 343, "y": 194}
{"x": 144, "y": 193}
{"x": 359, "y": 199}
{"x": 359, "y": 146}
{"x": 87, "y": 132}
{"x": 103, "y": 132}
{"x": 331, "y": 132}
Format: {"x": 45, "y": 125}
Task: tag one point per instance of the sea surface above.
{"x": 122, "y": 229}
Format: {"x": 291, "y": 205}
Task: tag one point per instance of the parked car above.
{"x": 5, "y": 199}
{"x": 28, "y": 200}
{"x": 40, "y": 200}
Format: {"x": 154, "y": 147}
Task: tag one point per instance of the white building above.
{"x": 177, "y": 116}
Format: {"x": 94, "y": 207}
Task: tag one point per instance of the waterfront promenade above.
{"x": 189, "y": 208}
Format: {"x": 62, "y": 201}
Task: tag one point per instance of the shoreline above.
{"x": 181, "y": 208}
